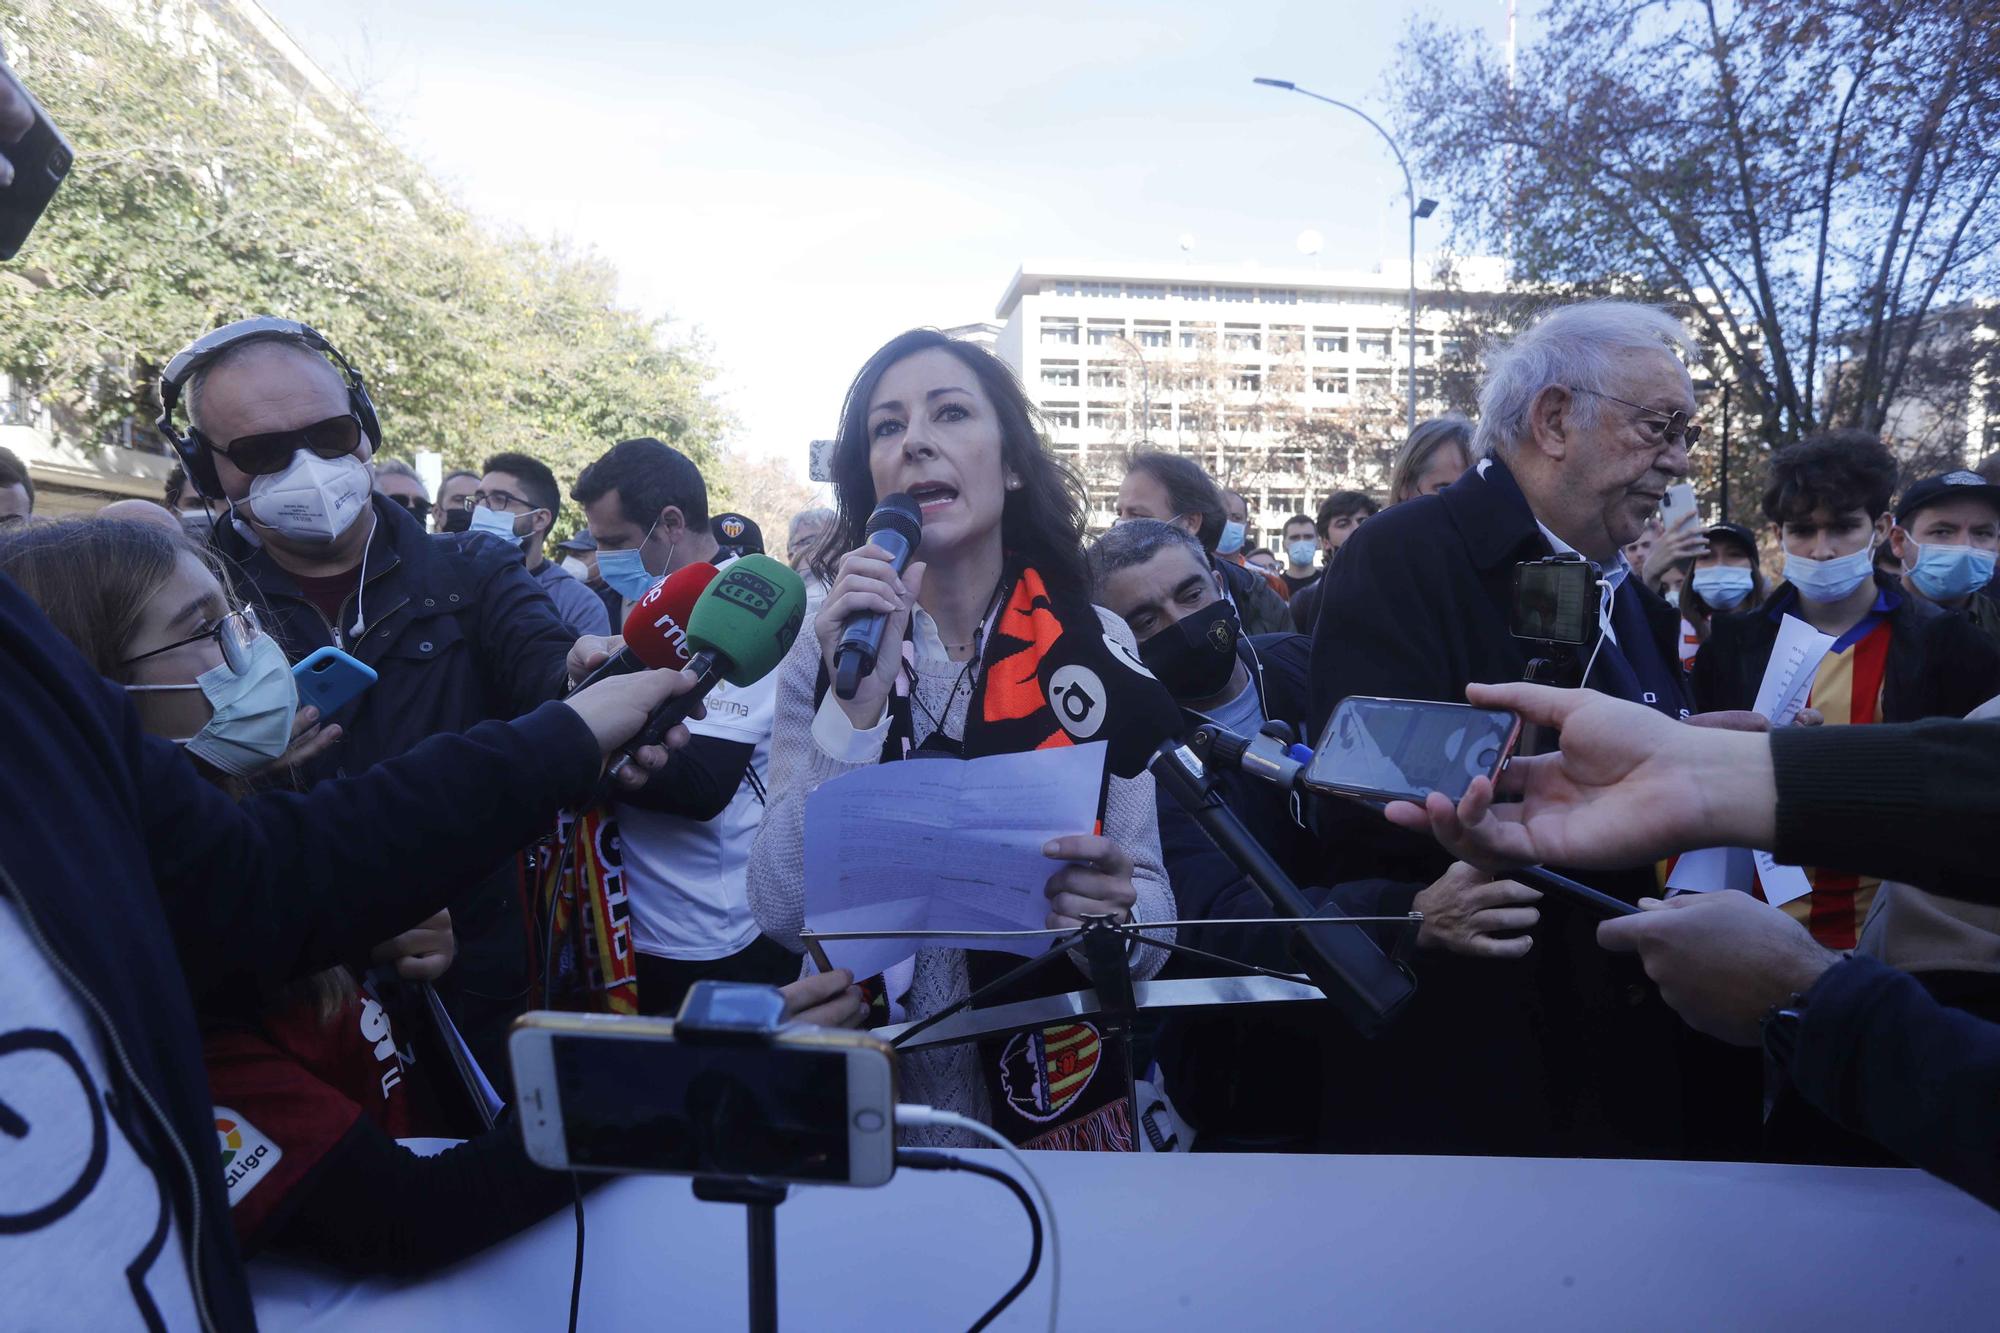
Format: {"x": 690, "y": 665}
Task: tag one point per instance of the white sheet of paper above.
{"x": 940, "y": 844}
{"x": 1787, "y": 684}
{"x": 1788, "y": 676}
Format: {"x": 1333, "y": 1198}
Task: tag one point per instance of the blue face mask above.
{"x": 1723, "y": 586}
{"x": 252, "y": 722}
{"x": 1830, "y": 580}
{"x": 1232, "y": 538}
{"x": 1302, "y": 553}
{"x": 1947, "y": 573}
{"x": 626, "y": 572}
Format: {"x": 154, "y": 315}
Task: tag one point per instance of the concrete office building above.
{"x": 1286, "y": 383}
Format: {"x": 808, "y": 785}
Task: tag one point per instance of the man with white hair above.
{"x": 1585, "y": 420}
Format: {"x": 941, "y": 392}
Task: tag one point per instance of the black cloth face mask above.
{"x": 1194, "y": 656}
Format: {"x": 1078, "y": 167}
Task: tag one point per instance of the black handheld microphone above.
{"x": 897, "y": 526}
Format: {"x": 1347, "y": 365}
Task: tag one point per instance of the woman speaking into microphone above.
{"x": 1000, "y": 593}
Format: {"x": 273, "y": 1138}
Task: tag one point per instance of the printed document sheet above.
{"x": 942, "y": 844}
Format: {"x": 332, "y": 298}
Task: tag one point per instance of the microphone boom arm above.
{"x": 1366, "y": 986}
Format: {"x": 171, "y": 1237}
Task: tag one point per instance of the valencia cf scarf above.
{"x": 1048, "y": 676}
{"x": 575, "y": 883}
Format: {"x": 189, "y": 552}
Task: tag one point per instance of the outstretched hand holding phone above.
{"x": 1627, "y": 786}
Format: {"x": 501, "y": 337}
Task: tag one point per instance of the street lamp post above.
{"x": 1145, "y": 389}
{"x": 1419, "y": 208}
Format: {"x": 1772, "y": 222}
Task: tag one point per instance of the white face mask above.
{"x": 576, "y": 569}
{"x": 314, "y": 499}
{"x": 252, "y": 724}
{"x": 494, "y": 522}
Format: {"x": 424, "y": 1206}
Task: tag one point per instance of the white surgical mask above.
{"x": 1232, "y": 538}
{"x": 1723, "y": 586}
{"x": 1673, "y": 596}
{"x": 314, "y": 499}
{"x": 1830, "y": 580}
{"x": 576, "y": 569}
{"x": 252, "y": 724}
{"x": 498, "y": 524}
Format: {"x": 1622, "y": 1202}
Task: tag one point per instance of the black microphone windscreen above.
{"x": 900, "y": 514}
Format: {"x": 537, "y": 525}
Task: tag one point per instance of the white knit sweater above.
{"x": 947, "y": 1077}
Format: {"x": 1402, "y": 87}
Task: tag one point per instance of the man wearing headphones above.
{"x": 280, "y": 428}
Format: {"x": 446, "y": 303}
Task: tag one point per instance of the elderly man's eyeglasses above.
{"x": 1674, "y": 428}
{"x": 233, "y": 634}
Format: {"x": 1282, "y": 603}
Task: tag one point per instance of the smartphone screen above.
{"x": 1553, "y": 602}
{"x": 703, "y": 1110}
{"x": 1404, "y": 749}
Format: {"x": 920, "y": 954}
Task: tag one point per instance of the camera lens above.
{"x": 59, "y": 163}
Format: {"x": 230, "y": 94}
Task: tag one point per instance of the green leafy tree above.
{"x": 212, "y": 182}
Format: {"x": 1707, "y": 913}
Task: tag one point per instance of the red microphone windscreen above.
{"x": 656, "y": 629}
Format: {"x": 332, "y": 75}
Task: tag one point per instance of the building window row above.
{"x": 1201, "y": 291}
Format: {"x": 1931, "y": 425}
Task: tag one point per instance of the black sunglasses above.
{"x": 263, "y": 455}
{"x": 419, "y": 507}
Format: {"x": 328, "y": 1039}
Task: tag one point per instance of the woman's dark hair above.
{"x": 1042, "y": 523}
{"x": 1836, "y": 470}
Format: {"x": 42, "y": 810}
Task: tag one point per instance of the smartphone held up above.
{"x": 1381, "y": 750}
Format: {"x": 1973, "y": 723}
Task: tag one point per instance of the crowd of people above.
{"x": 256, "y": 934}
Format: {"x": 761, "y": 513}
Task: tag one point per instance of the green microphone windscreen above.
{"x": 749, "y": 615}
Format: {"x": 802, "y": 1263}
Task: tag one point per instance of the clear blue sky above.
{"x": 795, "y": 183}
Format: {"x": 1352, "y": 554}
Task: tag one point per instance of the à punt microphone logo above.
{"x": 247, "y": 1153}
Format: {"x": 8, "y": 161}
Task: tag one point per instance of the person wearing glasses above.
{"x": 399, "y": 482}
{"x": 516, "y": 501}
{"x": 1895, "y": 657}
{"x": 1585, "y": 419}
{"x": 455, "y": 627}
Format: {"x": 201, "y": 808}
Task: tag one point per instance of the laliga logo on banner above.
{"x": 247, "y": 1155}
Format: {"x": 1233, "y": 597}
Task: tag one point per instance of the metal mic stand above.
{"x": 760, "y": 1203}
{"x": 1366, "y": 986}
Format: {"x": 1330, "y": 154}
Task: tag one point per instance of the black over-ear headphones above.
{"x": 192, "y": 448}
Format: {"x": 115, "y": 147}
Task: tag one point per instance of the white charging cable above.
{"x": 907, "y": 1114}
{"x": 1603, "y": 627}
